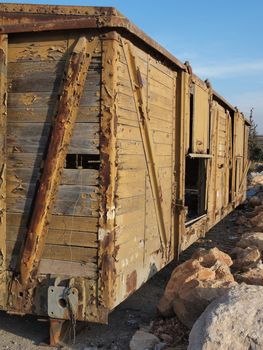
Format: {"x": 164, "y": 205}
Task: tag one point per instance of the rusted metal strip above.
{"x": 85, "y": 17}
{"x": 3, "y": 115}
{"x": 108, "y": 173}
{"x": 54, "y": 24}
{"x": 68, "y": 104}
{"x": 136, "y": 82}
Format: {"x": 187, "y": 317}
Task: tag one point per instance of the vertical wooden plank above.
{"x": 227, "y": 159}
{"x": 3, "y": 117}
{"x": 201, "y": 120}
{"x": 173, "y": 231}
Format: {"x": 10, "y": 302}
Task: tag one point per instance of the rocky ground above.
{"x": 139, "y": 311}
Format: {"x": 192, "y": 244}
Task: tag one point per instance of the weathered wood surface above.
{"x": 60, "y": 138}
{"x": 145, "y": 134}
{"x": 3, "y": 158}
{"x": 67, "y": 268}
{"x": 33, "y": 86}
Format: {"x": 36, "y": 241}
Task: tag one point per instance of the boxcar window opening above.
{"x": 82, "y": 161}
{"x": 195, "y": 187}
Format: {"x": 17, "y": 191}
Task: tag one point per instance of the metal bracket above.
{"x": 62, "y": 302}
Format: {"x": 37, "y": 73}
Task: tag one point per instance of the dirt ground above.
{"x": 137, "y": 311}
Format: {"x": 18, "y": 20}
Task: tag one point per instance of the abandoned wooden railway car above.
{"x": 114, "y": 158}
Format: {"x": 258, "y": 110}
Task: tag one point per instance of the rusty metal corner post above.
{"x": 3, "y": 117}
{"x": 142, "y": 114}
{"x": 75, "y": 76}
{"x": 108, "y": 172}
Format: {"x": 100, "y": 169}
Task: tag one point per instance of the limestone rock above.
{"x": 257, "y": 220}
{"x": 252, "y": 239}
{"x": 195, "y": 296}
{"x": 143, "y": 341}
{"x": 195, "y": 283}
{"x": 233, "y": 321}
{"x": 246, "y": 258}
{"x": 182, "y": 274}
{"x": 209, "y": 257}
{"x": 252, "y": 277}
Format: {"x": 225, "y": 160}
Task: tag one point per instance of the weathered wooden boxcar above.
{"x": 114, "y": 158}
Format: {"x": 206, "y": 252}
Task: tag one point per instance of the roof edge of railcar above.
{"x": 105, "y": 17}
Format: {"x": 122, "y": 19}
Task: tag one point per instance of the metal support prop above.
{"x": 68, "y": 104}
{"x": 142, "y": 114}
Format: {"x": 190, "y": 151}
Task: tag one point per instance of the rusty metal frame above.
{"x": 108, "y": 173}
{"x": 76, "y": 72}
{"x": 147, "y": 141}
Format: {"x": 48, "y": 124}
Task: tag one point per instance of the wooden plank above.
{"x": 35, "y": 70}
{"x": 17, "y": 160}
{"x": 132, "y": 232}
{"x": 81, "y": 208}
{"x": 156, "y": 75}
{"x": 65, "y": 237}
{"x": 130, "y": 204}
{"x": 3, "y": 158}
{"x": 161, "y": 67}
{"x": 200, "y": 121}
{"x": 160, "y": 137}
{"x": 161, "y": 101}
{"x": 71, "y": 199}
{"x": 54, "y": 252}
{"x": 57, "y": 222}
{"x": 38, "y": 39}
{"x": 129, "y": 147}
{"x": 87, "y": 114}
{"x": 33, "y": 137}
{"x": 60, "y": 138}
{"x": 67, "y": 268}
{"x": 43, "y": 99}
{"x": 80, "y": 177}
{"x": 47, "y": 51}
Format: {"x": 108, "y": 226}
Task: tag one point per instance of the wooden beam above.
{"x": 68, "y": 104}
{"x": 3, "y": 114}
{"x": 147, "y": 141}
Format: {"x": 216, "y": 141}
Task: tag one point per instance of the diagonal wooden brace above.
{"x": 146, "y": 135}
{"x": 75, "y": 76}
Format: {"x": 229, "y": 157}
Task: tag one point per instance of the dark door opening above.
{"x": 195, "y": 187}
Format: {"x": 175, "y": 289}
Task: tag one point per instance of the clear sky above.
{"x": 223, "y": 40}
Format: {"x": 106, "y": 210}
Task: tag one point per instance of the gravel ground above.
{"x": 139, "y": 310}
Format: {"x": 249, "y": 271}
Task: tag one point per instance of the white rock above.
{"x": 231, "y": 322}
{"x": 143, "y": 341}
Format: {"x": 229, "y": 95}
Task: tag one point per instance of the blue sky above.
{"x": 223, "y": 40}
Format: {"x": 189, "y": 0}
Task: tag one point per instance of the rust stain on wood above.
{"x": 131, "y": 282}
